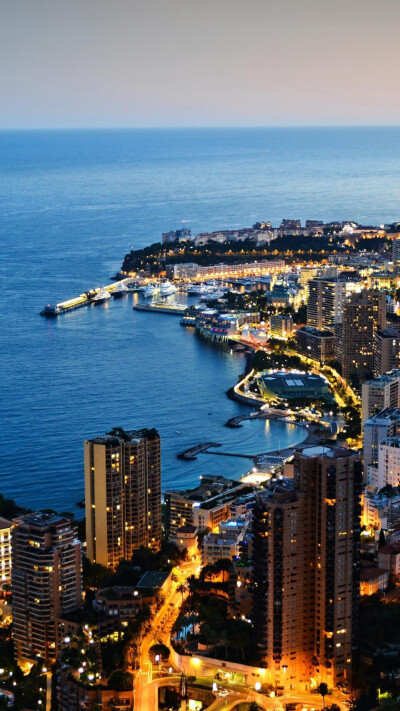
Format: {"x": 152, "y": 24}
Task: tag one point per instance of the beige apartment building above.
{"x": 122, "y": 494}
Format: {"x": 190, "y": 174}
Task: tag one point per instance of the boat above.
{"x": 166, "y": 288}
{"x": 196, "y": 290}
{"x": 120, "y": 290}
{"x": 150, "y": 290}
{"x": 101, "y": 296}
{"x": 50, "y": 310}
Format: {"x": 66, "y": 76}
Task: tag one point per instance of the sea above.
{"x": 72, "y": 203}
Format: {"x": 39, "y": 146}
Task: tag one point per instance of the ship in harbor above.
{"x": 120, "y": 290}
{"x": 167, "y": 289}
{"x": 150, "y": 290}
{"x": 101, "y": 297}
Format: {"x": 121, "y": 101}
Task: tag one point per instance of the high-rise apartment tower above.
{"x": 46, "y": 581}
{"x": 305, "y": 564}
{"x": 122, "y": 494}
{"x": 364, "y": 313}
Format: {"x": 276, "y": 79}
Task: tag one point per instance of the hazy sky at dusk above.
{"x": 198, "y": 62}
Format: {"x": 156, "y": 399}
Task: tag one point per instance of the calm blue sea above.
{"x": 71, "y": 204}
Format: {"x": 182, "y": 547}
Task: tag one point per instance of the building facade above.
{"x": 326, "y": 299}
{"x": 5, "y": 551}
{"x": 305, "y": 556}
{"x": 364, "y": 313}
{"x": 380, "y": 393}
{"x": 386, "y": 351}
{"x": 376, "y": 429}
{"x": 316, "y": 344}
{"x": 46, "y": 581}
{"x": 122, "y": 494}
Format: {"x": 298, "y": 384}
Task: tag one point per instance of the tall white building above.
{"x": 376, "y": 429}
{"x": 388, "y": 470}
{"x": 326, "y": 298}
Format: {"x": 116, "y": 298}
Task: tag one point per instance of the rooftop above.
{"x": 332, "y": 452}
{"x": 43, "y": 520}
{"x": 153, "y": 579}
{"x": 4, "y": 523}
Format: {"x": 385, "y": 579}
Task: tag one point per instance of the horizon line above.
{"x": 200, "y": 127}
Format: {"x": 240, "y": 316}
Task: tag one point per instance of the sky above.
{"x": 145, "y": 63}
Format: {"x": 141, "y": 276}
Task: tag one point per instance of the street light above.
{"x": 257, "y": 685}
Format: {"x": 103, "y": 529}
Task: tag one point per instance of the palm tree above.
{"x": 182, "y": 587}
{"x": 323, "y": 690}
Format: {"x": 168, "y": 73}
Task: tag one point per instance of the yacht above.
{"x": 120, "y": 290}
{"x": 166, "y": 288}
{"x": 101, "y": 296}
{"x": 197, "y": 290}
{"x": 150, "y": 290}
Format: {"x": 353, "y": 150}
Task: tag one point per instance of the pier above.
{"x": 82, "y": 300}
{"x": 161, "y": 308}
{"x": 190, "y": 454}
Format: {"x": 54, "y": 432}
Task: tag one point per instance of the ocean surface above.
{"x": 72, "y": 203}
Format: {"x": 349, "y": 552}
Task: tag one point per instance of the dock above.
{"x": 82, "y": 300}
{"x": 161, "y": 308}
{"x": 190, "y": 454}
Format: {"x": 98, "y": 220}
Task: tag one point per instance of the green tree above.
{"x": 120, "y": 681}
{"x": 323, "y": 690}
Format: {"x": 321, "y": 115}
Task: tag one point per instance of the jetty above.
{"x": 161, "y": 308}
{"x": 190, "y": 454}
{"x": 85, "y": 299}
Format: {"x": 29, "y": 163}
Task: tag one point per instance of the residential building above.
{"x": 122, "y": 494}
{"x": 221, "y": 545}
{"x": 5, "y": 552}
{"x": 281, "y": 326}
{"x": 316, "y": 344}
{"x": 305, "y": 569}
{"x": 389, "y": 559}
{"x": 373, "y": 580}
{"x": 380, "y": 511}
{"x": 396, "y": 251}
{"x": 388, "y": 463}
{"x": 376, "y": 429}
{"x": 326, "y": 299}
{"x": 46, "y": 581}
{"x": 364, "y": 313}
{"x": 185, "y": 539}
{"x": 386, "y": 351}
{"x": 203, "y": 507}
{"x": 380, "y": 393}
{"x": 182, "y": 271}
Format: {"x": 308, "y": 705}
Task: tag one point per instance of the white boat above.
{"x": 150, "y": 290}
{"x": 120, "y": 290}
{"x": 197, "y": 290}
{"x": 101, "y": 296}
{"x": 166, "y": 288}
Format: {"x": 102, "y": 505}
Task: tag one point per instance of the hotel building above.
{"x": 122, "y": 494}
